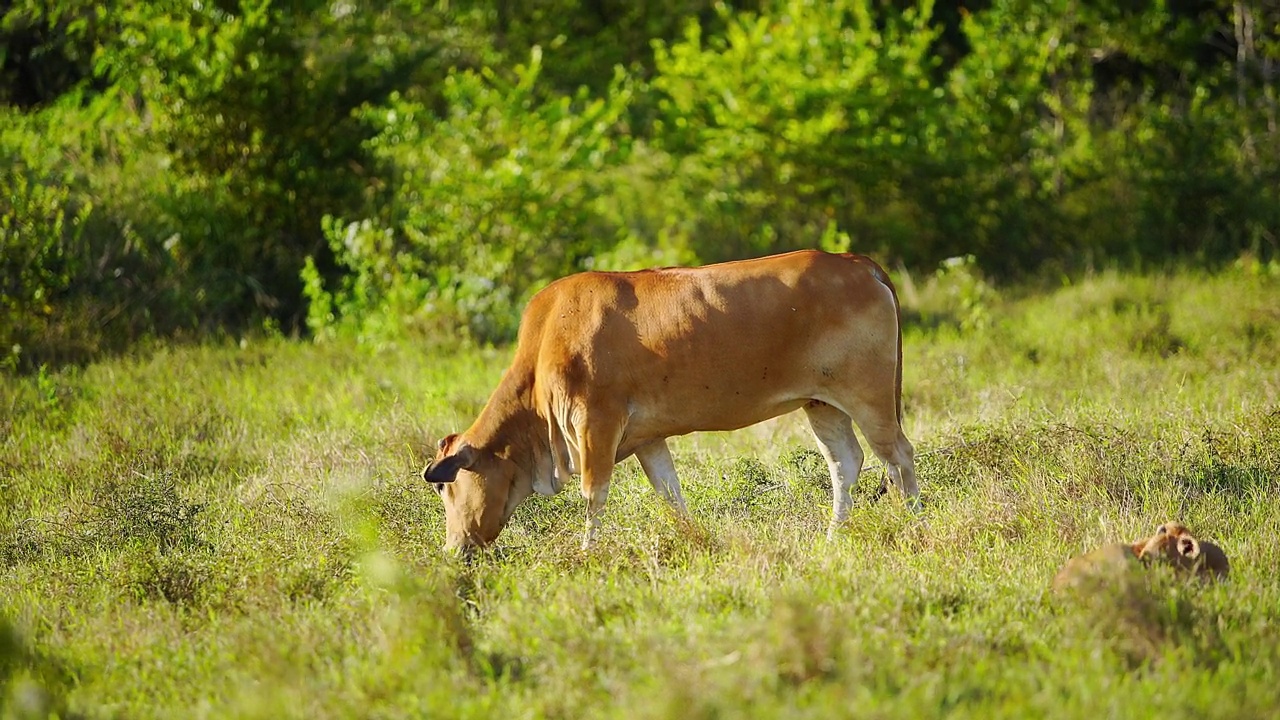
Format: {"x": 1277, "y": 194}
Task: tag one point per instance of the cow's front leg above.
{"x": 598, "y": 442}
{"x": 655, "y": 459}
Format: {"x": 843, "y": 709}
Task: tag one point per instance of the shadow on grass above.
{"x": 32, "y": 682}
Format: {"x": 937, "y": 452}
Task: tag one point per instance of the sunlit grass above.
{"x": 238, "y": 531}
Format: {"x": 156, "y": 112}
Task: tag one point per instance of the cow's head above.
{"x": 480, "y": 491}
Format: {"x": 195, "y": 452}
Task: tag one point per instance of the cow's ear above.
{"x": 445, "y": 469}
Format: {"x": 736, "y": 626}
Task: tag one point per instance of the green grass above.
{"x": 237, "y": 531}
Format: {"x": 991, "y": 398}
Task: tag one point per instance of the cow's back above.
{"x": 713, "y": 348}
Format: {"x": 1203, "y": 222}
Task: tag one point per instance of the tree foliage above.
{"x": 421, "y": 166}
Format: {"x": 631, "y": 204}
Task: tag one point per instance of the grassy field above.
{"x": 238, "y": 531}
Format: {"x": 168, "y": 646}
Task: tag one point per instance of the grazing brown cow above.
{"x": 610, "y": 364}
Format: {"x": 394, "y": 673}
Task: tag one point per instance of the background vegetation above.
{"x": 1080, "y": 201}
{"x": 410, "y": 166}
{"x": 238, "y": 531}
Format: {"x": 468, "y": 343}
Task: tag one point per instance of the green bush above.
{"x": 169, "y": 167}
{"x": 501, "y": 196}
{"x": 810, "y": 114}
{"x": 42, "y": 220}
{"x": 36, "y": 264}
{"x": 93, "y": 255}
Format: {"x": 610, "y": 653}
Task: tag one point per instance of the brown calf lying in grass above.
{"x": 1173, "y": 545}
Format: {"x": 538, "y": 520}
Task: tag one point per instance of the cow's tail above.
{"x": 883, "y": 277}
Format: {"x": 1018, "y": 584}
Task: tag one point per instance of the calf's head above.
{"x": 480, "y": 490}
{"x": 1173, "y": 543}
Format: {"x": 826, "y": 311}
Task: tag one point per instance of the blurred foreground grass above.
{"x": 236, "y": 531}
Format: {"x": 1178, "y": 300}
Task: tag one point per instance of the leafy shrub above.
{"x": 808, "y": 465}
{"x": 797, "y": 117}
{"x": 502, "y": 195}
{"x": 93, "y": 241}
{"x": 174, "y": 578}
{"x": 173, "y": 166}
{"x": 40, "y": 228}
{"x": 148, "y": 508}
{"x": 379, "y": 297}
{"x": 958, "y": 291}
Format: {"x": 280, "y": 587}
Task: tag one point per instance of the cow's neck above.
{"x": 509, "y": 425}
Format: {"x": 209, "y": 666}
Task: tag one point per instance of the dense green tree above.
{"x": 181, "y": 165}
{"x": 47, "y": 49}
{"x": 584, "y": 40}
{"x": 254, "y": 103}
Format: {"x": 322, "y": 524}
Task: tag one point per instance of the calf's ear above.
{"x": 1188, "y": 547}
{"x": 445, "y": 469}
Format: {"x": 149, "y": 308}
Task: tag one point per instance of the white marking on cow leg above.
{"x": 655, "y": 459}
{"x": 596, "y": 498}
{"x": 839, "y": 446}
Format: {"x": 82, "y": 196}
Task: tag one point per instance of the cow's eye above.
{"x": 439, "y": 487}
{"x": 1161, "y": 530}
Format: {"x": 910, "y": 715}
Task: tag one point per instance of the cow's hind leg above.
{"x": 833, "y": 430}
{"x": 655, "y": 459}
{"x": 884, "y": 435}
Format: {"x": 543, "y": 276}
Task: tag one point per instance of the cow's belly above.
{"x": 681, "y": 414}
